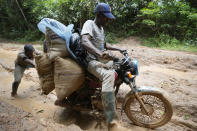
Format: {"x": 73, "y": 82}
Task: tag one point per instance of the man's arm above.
{"x": 30, "y": 62}
{"x": 87, "y": 44}
{"x": 110, "y": 47}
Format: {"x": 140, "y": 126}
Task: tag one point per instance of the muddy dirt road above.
{"x": 175, "y": 72}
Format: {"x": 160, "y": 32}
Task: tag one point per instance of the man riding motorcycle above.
{"x": 93, "y": 40}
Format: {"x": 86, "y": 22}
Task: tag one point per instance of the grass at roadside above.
{"x": 115, "y": 37}
{"x": 162, "y": 41}
{"x": 189, "y": 48}
{"x": 169, "y": 43}
{"x": 20, "y": 41}
{"x": 20, "y": 44}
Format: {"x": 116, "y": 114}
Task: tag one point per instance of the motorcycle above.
{"x": 145, "y": 106}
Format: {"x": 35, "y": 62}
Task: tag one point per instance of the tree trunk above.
{"x": 22, "y": 13}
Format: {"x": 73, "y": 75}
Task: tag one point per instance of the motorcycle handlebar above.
{"x": 124, "y": 52}
{"x": 114, "y": 58}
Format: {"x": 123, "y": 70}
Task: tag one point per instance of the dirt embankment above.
{"x": 176, "y": 72}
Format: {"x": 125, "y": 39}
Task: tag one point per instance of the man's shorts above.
{"x": 18, "y": 73}
{"x": 106, "y": 76}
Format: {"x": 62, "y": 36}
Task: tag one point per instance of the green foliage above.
{"x": 111, "y": 38}
{"x": 164, "y": 41}
{"x": 30, "y": 36}
{"x": 148, "y": 22}
{"x": 192, "y": 17}
{"x": 169, "y": 22}
{"x": 172, "y": 17}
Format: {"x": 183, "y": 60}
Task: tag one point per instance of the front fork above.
{"x": 136, "y": 94}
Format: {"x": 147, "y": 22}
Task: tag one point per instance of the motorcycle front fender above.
{"x": 144, "y": 89}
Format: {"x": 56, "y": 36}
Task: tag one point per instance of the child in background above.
{"x": 23, "y": 61}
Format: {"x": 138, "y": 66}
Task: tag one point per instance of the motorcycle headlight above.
{"x": 134, "y": 67}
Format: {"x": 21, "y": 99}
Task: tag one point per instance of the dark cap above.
{"x": 104, "y": 9}
{"x": 28, "y": 48}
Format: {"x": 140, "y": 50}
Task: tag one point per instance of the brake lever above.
{"x": 125, "y": 53}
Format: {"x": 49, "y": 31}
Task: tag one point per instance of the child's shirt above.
{"x": 20, "y": 60}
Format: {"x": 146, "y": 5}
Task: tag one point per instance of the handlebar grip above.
{"x": 124, "y": 53}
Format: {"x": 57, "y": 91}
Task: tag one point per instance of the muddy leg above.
{"x": 18, "y": 74}
{"x": 14, "y": 88}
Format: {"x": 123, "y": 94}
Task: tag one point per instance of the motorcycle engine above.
{"x": 98, "y": 104}
{"x": 96, "y": 101}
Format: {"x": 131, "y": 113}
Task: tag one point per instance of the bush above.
{"x": 165, "y": 41}
{"x": 176, "y": 18}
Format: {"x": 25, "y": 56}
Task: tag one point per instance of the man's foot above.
{"x": 14, "y": 94}
{"x": 61, "y": 103}
{"x": 116, "y": 126}
{"x": 14, "y": 89}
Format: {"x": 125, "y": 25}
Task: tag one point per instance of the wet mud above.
{"x": 175, "y": 72}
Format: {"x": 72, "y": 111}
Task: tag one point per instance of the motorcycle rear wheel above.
{"x": 159, "y": 108}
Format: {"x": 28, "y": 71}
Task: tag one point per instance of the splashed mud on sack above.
{"x": 68, "y": 77}
{"x": 44, "y": 67}
{"x": 56, "y": 46}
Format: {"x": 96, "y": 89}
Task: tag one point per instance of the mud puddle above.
{"x": 179, "y": 81}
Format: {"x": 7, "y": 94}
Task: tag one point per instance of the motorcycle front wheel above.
{"x": 158, "y": 107}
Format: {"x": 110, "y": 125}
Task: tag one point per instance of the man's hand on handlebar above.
{"x": 122, "y": 51}
{"x": 107, "y": 56}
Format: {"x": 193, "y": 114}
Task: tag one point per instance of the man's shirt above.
{"x": 97, "y": 36}
{"x": 20, "y": 60}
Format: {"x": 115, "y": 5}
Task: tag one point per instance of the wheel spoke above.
{"x": 135, "y": 111}
{"x": 154, "y": 106}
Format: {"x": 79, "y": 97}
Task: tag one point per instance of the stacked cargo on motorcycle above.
{"x": 56, "y": 46}
{"x": 57, "y": 40}
{"x": 44, "y": 67}
{"x": 68, "y": 77}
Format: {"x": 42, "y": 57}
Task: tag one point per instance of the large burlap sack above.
{"x": 44, "y": 67}
{"x": 56, "y": 46}
{"x": 68, "y": 77}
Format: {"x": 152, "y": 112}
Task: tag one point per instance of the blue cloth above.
{"x": 60, "y": 29}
